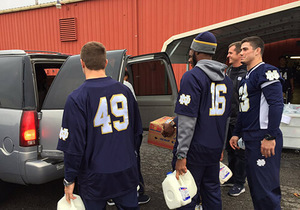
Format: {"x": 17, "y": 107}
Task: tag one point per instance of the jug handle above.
{"x": 72, "y": 205}
{"x": 180, "y": 180}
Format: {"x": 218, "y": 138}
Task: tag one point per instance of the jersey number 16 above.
{"x": 218, "y": 102}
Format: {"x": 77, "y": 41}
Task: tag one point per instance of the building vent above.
{"x": 67, "y": 29}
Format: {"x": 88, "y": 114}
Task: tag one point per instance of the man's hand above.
{"x": 180, "y": 167}
{"x": 168, "y": 130}
{"x": 233, "y": 142}
{"x": 222, "y": 155}
{"x": 69, "y": 192}
{"x": 267, "y": 147}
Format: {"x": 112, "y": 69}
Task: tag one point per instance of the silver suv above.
{"x": 32, "y": 99}
{"x": 25, "y": 78}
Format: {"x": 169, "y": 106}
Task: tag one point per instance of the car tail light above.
{"x": 29, "y": 129}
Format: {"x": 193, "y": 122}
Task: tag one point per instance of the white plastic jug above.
{"x": 76, "y": 204}
{"x": 225, "y": 173}
{"x": 180, "y": 192}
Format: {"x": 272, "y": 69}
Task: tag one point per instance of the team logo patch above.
{"x": 63, "y": 134}
{"x": 185, "y": 99}
{"x": 261, "y": 162}
{"x": 272, "y": 75}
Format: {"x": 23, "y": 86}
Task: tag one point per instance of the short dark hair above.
{"x": 93, "y": 54}
{"x": 255, "y": 42}
{"x": 237, "y": 47}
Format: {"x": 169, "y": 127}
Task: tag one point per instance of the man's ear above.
{"x": 82, "y": 63}
{"x": 258, "y": 51}
{"x": 106, "y": 62}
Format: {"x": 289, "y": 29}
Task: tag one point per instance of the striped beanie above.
{"x": 205, "y": 42}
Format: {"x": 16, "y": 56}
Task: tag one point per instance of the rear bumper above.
{"x": 42, "y": 171}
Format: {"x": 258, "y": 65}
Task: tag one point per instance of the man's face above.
{"x": 233, "y": 56}
{"x": 247, "y": 53}
{"x": 192, "y": 58}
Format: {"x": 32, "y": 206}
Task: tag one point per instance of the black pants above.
{"x": 288, "y": 95}
{"x": 236, "y": 161}
{"x": 138, "y": 145}
{"x": 264, "y": 175}
{"x": 124, "y": 202}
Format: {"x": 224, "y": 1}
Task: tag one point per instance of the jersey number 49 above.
{"x": 119, "y": 108}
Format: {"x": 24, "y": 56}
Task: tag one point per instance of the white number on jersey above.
{"x": 218, "y": 102}
{"x": 244, "y": 100}
{"x": 118, "y": 107}
{"x": 121, "y": 100}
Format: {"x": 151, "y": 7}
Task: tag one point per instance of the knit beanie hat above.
{"x": 205, "y": 42}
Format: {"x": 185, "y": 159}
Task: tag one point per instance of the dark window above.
{"x": 151, "y": 78}
{"x": 11, "y": 80}
{"x": 45, "y": 72}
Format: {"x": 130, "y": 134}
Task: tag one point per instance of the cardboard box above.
{"x": 155, "y": 137}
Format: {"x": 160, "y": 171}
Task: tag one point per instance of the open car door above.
{"x": 154, "y": 84}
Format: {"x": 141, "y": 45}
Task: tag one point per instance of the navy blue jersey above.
{"x": 209, "y": 102}
{"x": 235, "y": 74}
{"x": 101, "y": 122}
{"x": 287, "y": 74}
{"x": 261, "y": 103}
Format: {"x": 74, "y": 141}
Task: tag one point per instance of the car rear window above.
{"x": 11, "y": 80}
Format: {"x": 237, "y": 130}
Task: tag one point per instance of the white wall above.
{"x": 11, "y": 4}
